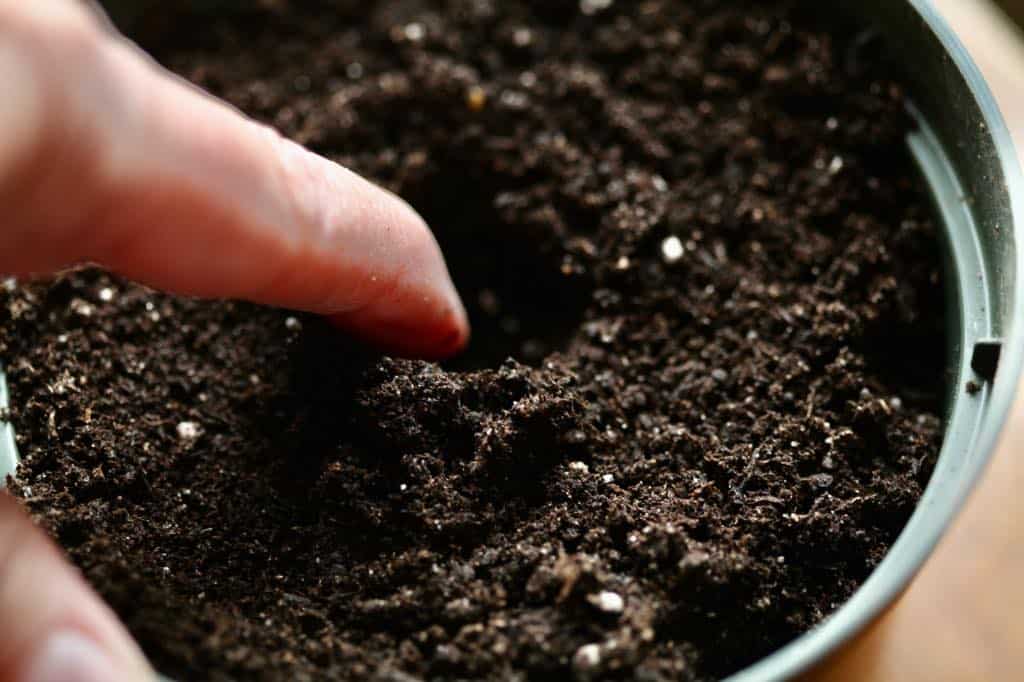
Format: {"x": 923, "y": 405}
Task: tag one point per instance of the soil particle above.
{"x": 703, "y": 395}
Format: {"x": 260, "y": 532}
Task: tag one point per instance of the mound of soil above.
{"x": 702, "y": 398}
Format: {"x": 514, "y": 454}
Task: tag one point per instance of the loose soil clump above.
{"x": 702, "y": 400}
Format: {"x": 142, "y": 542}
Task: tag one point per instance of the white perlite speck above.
{"x": 415, "y": 32}
{"x": 522, "y": 37}
{"x": 292, "y": 323}
{"x": 188, "y": 430}
{"x": 80, "y": 307}
{"x": 106, "y": 294}
{"x": 607, "y": 601}
{"x": 587, "y": 657}
{"x": 581, "y": 467}
{"x": 672, "y": 249}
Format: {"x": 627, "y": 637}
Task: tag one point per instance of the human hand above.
{"x": 106, "y": 158}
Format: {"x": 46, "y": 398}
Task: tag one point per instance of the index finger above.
{"x": 131, "y": 167}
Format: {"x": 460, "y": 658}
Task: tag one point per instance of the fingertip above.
{"x": 407, "y": 303}
{"x": 455, "y": 340}
{"x": 454, "y": 331}
{"x": 68, "y": 655}
{"x": 53, "y": 622}
{"x": 435, "y": 339}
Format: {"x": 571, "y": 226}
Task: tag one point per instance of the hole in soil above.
{"x": 911, "y": 351}
{"x": 520, "y": 303}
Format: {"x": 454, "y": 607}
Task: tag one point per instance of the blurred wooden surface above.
{"x": 963, "y": 617}
{"x": 997, "y": 45}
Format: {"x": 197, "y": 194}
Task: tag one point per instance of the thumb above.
{"x": 106, "y": 157}
{"x": 55, "y": 628}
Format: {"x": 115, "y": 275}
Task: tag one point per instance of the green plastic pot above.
{"x": 966, "y": 156}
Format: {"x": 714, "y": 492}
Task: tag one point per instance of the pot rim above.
{"x": 975, "y": 421}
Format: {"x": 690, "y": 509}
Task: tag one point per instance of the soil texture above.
{"x": 702, "y": 399}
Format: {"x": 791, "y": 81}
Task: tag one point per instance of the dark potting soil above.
{"x": 695, "y": 230}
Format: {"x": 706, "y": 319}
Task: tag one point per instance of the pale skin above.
{"x": 106, "y": 158}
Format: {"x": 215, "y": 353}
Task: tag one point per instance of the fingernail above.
{"x": 70, "y": 657}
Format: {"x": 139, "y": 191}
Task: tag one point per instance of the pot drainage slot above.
{"x": 8, "y": 448}
{"x": 985, "y": 358}
{"x": 520, "y": 303}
